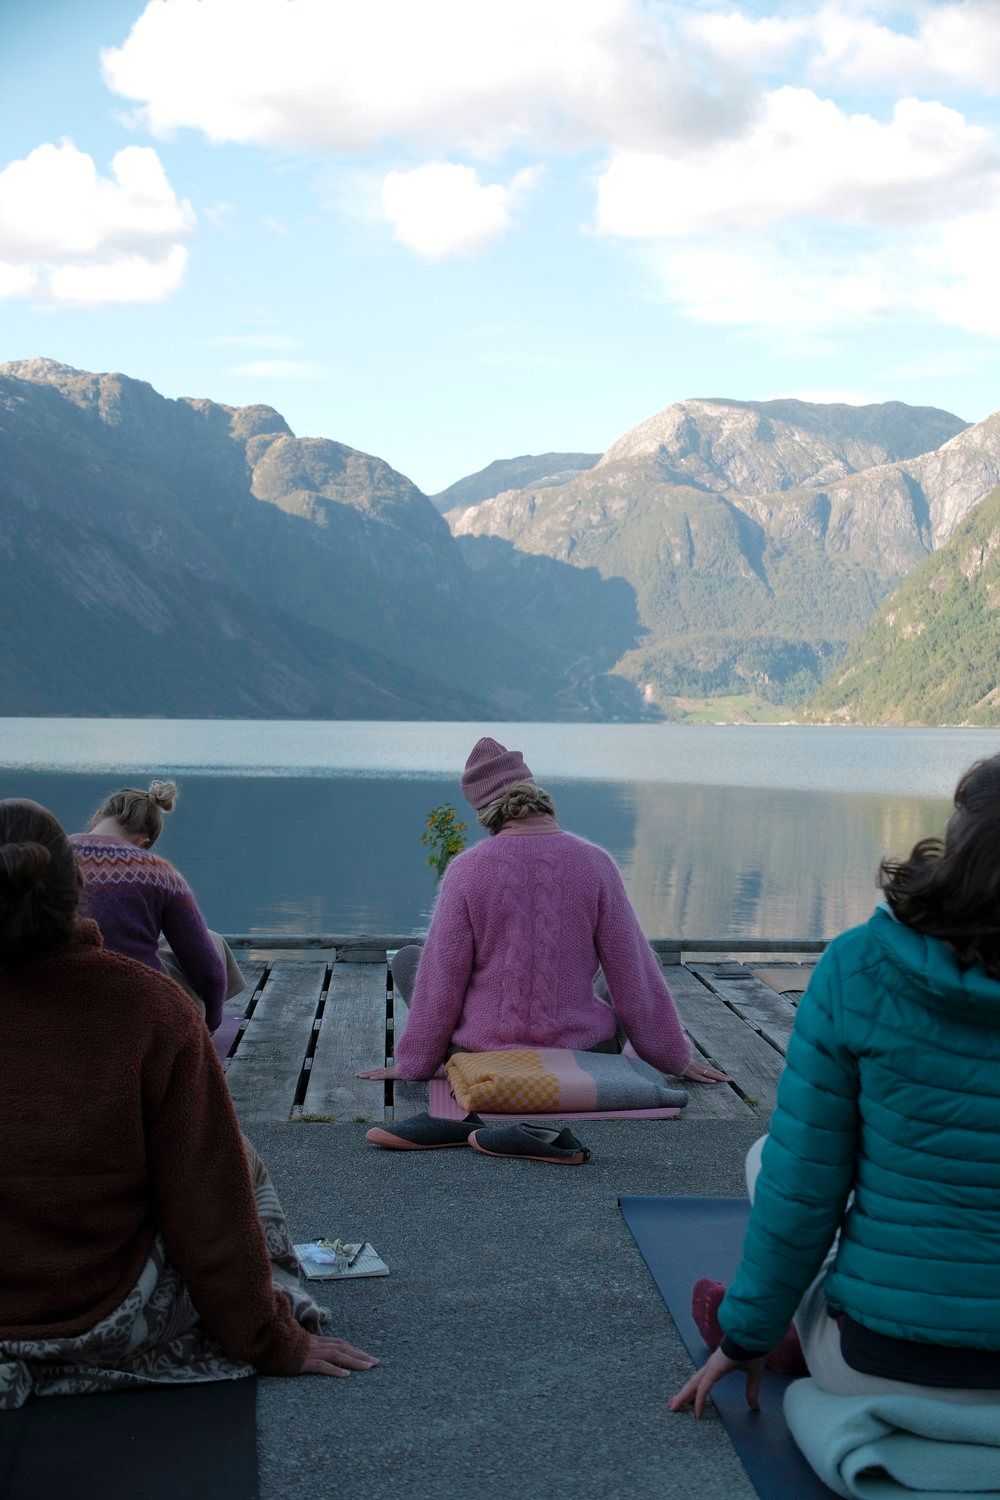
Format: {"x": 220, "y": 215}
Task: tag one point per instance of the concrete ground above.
{"x": 526, "y": 1353}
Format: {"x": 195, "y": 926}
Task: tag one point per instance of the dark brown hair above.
{"x": 950, "y": 888}
{"x": 39, "y": 888}
{"x": 140, "y": 813}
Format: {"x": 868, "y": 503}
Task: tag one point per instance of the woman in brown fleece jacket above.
{"x": 116, "y": 1130}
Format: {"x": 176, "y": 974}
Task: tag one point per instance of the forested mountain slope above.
{"x": 932, "y": 653}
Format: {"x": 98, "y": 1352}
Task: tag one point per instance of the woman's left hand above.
{"x": 712, "y": 1371}
{"x": 378, "y": 1073}
{"x": 698, "y": 1072}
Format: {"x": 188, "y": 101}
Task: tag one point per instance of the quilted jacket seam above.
{"x": 926, "y": 1150}
{"x": 859, "y": 1212}
{"x": 933, "y": 1087}
{"x": 893, "y": 1198}
{"x": 866, "y": 1017}
{"x": 910, "y": 1255}
{"x": 886, "y": 1286}
{"x": 819, "y": 1089}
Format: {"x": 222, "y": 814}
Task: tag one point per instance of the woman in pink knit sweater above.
{"x": 522, "y": 923}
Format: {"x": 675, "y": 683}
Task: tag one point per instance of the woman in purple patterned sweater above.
{"x": 133, "y": 895}
{"x": 522, "y": 923}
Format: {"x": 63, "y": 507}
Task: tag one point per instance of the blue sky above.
{"x": 447, "y": 232}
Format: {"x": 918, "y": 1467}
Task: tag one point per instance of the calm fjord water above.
{"x": 758, "y": 831}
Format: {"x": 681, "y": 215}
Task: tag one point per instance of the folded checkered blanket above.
{"x": 547, "y": 1079}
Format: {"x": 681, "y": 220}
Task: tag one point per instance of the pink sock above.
{"x": 785, "y": 1358}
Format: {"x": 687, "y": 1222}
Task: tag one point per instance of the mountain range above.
{"x": 183, "y": 557}
{"x": 186, "y": 557}
{"x": 755, "y": 539}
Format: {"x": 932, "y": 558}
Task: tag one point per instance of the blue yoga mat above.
{"x": 681, "y": 1240}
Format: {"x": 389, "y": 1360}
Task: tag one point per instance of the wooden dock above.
{"x": 318, "y": 1010}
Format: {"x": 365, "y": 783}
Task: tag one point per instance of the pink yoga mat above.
{"x": 444, "y": 1106}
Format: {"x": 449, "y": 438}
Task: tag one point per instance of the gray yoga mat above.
{"x": 195, "y": 1441}
{"x": 681, "y": 1240}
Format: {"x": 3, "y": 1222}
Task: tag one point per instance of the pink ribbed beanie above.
{"x": 490, "y": 769}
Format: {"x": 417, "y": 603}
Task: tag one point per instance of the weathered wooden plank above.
{"x": 730, "y": 1041}
{"x": 784, "y": 979}
{"x": 767, "y": 1012}
{"x": 361, "y": 953}
{"x": 264, "y": 1074}
{"x": 351, "y": 1039}
{"x": 407, "y": 1098}
{"x": 230, "y": 1033}
{"x": 253, "y": 973}
{"x": 718, "y": 1101}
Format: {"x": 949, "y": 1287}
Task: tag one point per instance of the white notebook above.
{"x": 318, "y": 1261}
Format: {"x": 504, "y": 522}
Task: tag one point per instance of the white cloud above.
{"x": 439, "y": 75}
{"x": 950, "y": 44}
{"x": 761, "y": 206}
{"x": 17, "y": 281}
{"x": 280, "y": 369}
{"x": 67, "y": 234}
{"x": 938, "y": 45}
{"x": 800, "y": 285}
{"x": 125, "y": 278}
{"x": 803, "y": 158}
{"x": 816, "y": 219}
{"x": 442, "y": 209}
{"x": 763, "y": 43}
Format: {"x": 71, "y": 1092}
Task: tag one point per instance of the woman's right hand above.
{"x": 699, "y": 1072}
{"x": 378, "y": 1073}
{"x": 334, "y": 1357}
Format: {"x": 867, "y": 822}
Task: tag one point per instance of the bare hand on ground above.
{"x": 334, "y": 1357}
{"x": 378, "y": 1073}
{"x": 699, "y": 1072}
{"x": 717, "y": 1365}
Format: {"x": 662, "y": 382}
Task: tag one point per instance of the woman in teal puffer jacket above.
{"x": 876, "y": 1201}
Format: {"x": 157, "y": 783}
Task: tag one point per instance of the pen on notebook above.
{"x": 357, "y": 1254}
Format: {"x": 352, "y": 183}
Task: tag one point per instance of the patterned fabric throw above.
{"x": 527, "y": 1079}
{"x": 154, "y": 1337}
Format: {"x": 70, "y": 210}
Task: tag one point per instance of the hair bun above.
{"x": 164, "y": 794}
{"x": 23, "y": 866}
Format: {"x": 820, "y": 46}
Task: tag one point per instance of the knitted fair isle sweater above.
{"x": 133, "y": 895}
{"x": 521, "y": 924}
{"x": 117, "y": 1126}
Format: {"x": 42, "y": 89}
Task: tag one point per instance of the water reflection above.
{"x": 342, "y": 854}
{"x": 739, "y": 862}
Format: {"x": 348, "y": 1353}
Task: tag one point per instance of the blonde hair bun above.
{"x": 164, "y": 794}
{"x": 521, "y": 800}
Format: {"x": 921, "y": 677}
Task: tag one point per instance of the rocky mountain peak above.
{"x": 535, "y": 471}
{"x": 764, "y": 447}
{"x": 41, "y": 370}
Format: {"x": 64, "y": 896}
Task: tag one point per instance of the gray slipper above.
{"x": 530, "y": 1143}
{"x": 423, "y": 1133}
